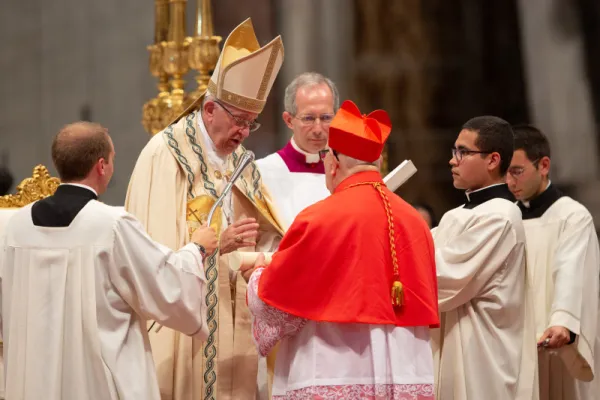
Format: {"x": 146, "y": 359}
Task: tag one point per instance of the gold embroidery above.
{"x": 397, "y": 287}
{"x": 197, "y": 214}
{"x": 263, "y": 209}
{"x": 242, "y": 102}
{"x": 262, "y": 92}
{"x": 212, "y": 87}
{"x": 237, "y": 100}
{"x": 39, "y": 186}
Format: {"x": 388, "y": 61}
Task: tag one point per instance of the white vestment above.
{"x": 226, "y": 365}
{"x": 5, "y": 215}
{"x": 563, "y": 263}
{"x": 341, "y": 361}
{"x": 75, "y": 301}
{"x": 292, "y": 192}
{"x": 485, "y": 346}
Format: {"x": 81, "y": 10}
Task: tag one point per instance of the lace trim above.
{"x": 269, "y": 325}
{"x": 362, "y": 392}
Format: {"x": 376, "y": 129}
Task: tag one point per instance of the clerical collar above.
{"x": 297, "y": 160}
{"x": 215, "y": 159}
{"x": 480, "y": 196}
{"x": 81, "y": 186}
{"x": 310, "y": 158}
{"x": 536, "y": 207}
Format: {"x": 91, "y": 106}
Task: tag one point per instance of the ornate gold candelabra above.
{"x": 155, "y": 108}
{"x": 171, "y": 56}
{"x": 175, "y": 56}
{"x": 204, "y": 47}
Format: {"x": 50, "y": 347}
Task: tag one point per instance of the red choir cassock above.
{"x": 362, "y": 255}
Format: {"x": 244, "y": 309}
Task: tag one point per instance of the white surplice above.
{"x": 485, "y": 347}
{"x": 75, "y": 302}
{"x": 563, "y": 263}
{"x": 5, "y": 215}
{"x": 292, "y": 192}
{"x": 341, "y": 361}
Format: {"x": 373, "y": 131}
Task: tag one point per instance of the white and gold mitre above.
{"x": 245, "y": 72}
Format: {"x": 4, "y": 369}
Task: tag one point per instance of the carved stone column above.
{"x": 559, "y": 96}
{"x": 317, "y": 36}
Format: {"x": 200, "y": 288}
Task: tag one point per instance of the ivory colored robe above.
{"x": 5, "y": 215}
{"x": 174, "y": 175}
{"x": 296, "y": 180}
{"x": 563, "y": 261}
{"x": 75, "y": 301}
{"x": 485, "y": 347}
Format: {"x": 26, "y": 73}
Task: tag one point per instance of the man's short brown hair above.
{"x": 532, "y": 141}
{"x": 77, "y": 148}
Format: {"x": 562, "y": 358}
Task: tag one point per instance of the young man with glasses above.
{"x": 563, "y": 260}
{"x": 177, "y": 179}
{"x": 485, "y": 347}
{"x": 295, "y": 175}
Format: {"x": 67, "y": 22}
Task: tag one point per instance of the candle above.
{"x": 204, "y": 22}
{"x": 161, "y": 20}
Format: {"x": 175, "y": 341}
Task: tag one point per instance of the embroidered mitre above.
{"x": 245, "y": 72}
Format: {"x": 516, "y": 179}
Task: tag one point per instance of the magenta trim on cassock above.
{"x": 296, "y": 161}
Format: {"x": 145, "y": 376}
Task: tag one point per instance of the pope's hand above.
{"x": 555, "y": 337}
{"x": 247, "y": 271}
{"x": 206, "y": 237}
{"x": 242, "y": 233}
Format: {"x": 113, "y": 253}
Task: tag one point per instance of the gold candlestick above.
{"x": 204, "y": 47}
{"x": 175, "y": 58}
{"x": 173, "y": 54}
{"x": 156, "y": 107}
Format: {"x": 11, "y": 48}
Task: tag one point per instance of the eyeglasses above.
{"x": 310, "y": 120}
{"x": 461, "y": 152}
{"x": 323, "y": 153}
{"x": 516, "y": 172}
{"x": 240, "y": 122}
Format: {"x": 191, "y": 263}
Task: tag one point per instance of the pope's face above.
{"x": 227, "y": 126}
{"x": 314, "y": 112}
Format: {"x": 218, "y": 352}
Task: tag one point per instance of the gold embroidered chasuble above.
{"x": 174, "y": 184}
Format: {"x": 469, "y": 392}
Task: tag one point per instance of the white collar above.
{"x": 468, "y": 192}
{"x": 310, "y": 157}
{"x": 219, "y": 162}
{"x": 81, "y": 186}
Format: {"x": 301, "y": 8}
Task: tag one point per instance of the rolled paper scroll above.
{"x": 399, "y": 175}
{"x": 239, "y": 259}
